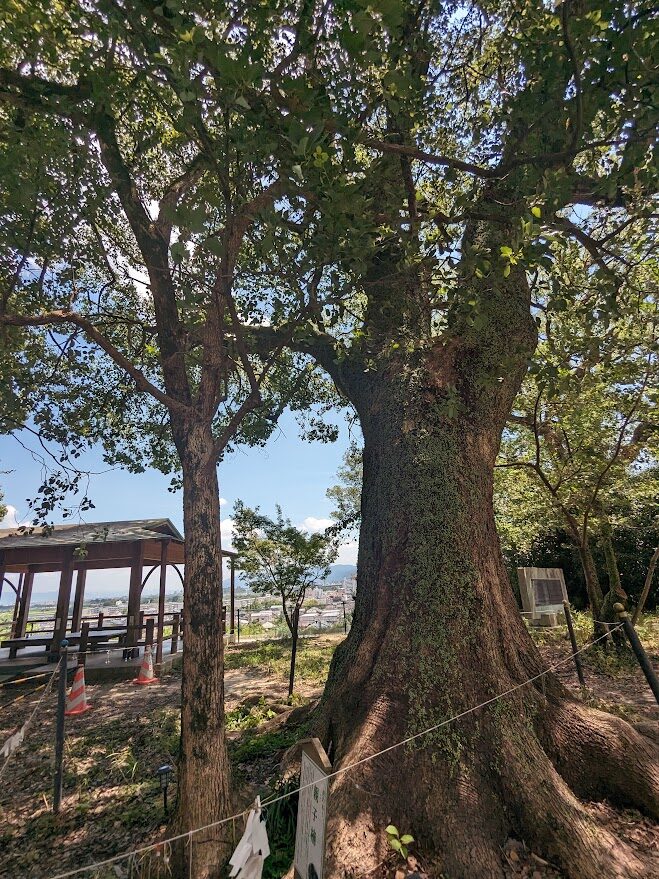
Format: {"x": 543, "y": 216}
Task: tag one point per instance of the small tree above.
{"x": 275, "y": 556}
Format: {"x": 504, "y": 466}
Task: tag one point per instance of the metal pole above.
{"x": 238, "y": 625}
{"x": 345, "y": 620}
{"x": 59, "y": 727}
{"x": 575, "y": 650}
{"x": 637, "y": 647}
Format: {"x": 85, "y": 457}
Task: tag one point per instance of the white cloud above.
{"x": 314, "y": 525}
{"x": 10, "y": 520}
{"x": 348, "y": 553}
{"x": 223, "y": 501}
{"x": 226, "y": 530}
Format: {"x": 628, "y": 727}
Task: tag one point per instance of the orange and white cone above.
{"x": 146, "y": 675}
{"x": 76, "y": 700}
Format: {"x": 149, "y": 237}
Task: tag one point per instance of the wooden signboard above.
{"x": 312, "y": 811}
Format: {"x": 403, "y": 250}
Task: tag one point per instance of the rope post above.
{"x": 637, "y": 647}
{"x": 100, "y": 620}
{"x": 148, "y": 639}
{"x": 59, "y": 726}
{"x": 84, "y": 640}
{"x": 573, "y": 642}
{"x": 238, "y": 635}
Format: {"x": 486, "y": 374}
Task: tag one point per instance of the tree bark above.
{"x": 203, "y": 771}
{"x": 436, "y": 632}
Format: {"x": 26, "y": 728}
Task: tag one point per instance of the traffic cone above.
{"x": 76, "y": 699}
{"x": 146, "y": 675}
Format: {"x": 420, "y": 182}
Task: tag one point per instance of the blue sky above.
{"x": 287, "y": 471}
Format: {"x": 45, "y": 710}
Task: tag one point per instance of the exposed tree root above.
{"x": 602, "y": 756}
{"x": 553, "y": 820}
{"x": 461, "y": 806}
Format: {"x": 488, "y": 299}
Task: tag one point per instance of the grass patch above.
{"x": 247, "y": 717}
{"x": 255, "y": 746}
{"x": 282, "y": 821}
{"x": 312, "y": 662}
{"x": 620, "y": 709}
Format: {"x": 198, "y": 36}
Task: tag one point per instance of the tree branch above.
{"x": 70, "y": 317}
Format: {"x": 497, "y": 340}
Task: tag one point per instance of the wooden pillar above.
{"x": 134, "y": 596}
{"x": 233, "y": 594}
{"x": 20, "y": 626}
{"x": 164, "y": 546}
{"x": 79, "y": 599}
{"x": 17, "y": 603}
{"x": 63, "y": 601}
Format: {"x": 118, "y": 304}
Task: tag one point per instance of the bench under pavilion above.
{"x": 143, "y": 546}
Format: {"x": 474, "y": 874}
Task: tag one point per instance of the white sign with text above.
{"x": 312, "y": 812}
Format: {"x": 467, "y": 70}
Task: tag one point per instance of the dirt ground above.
{"x": 112, "y": 802}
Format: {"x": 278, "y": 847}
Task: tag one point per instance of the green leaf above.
{"x": 297, "y": 170}
{"x": 406, "y": 839}
{"x": 506, "y": 251}
{"x": 242, "y": 102}
{"x": 178, "y": 251}
{"x": 535, "y": 210}
{"x": 391, "y": 830}
{"x": 506, "y": 271}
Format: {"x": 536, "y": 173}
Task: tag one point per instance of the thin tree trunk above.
{"x": 294, "y": 633}
{"x": 593, "y": 588}
{"x": 204, "y": 776}
{"x": 646, "y": 586}
{"x": 616, "y": 593}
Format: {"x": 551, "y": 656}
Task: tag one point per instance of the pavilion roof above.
{"x": 94, "y": 532}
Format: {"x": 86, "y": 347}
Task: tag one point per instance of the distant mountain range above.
{"x": 117, "y": 587}
{"x": 339, "y": 572}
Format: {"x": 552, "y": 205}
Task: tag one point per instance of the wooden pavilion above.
{"x": 75, "y": 549}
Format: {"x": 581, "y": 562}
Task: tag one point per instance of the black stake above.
{"x": 291, "y": 678}
{"x": 637, "y": 647}
{"x": 573, "y": 641}
{"x": 59, "y": 727}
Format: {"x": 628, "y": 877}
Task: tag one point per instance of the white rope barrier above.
{"x": 189, "y": 833}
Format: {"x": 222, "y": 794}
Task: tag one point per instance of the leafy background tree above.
{"x": 583, "y": 432}
{"x": 278, "y": 558}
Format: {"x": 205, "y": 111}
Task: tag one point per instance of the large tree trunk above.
{"x": 204, "y": 778}
{"x": 436, "y": 632}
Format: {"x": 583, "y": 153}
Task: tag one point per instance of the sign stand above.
{"x": 312, "y": 811}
